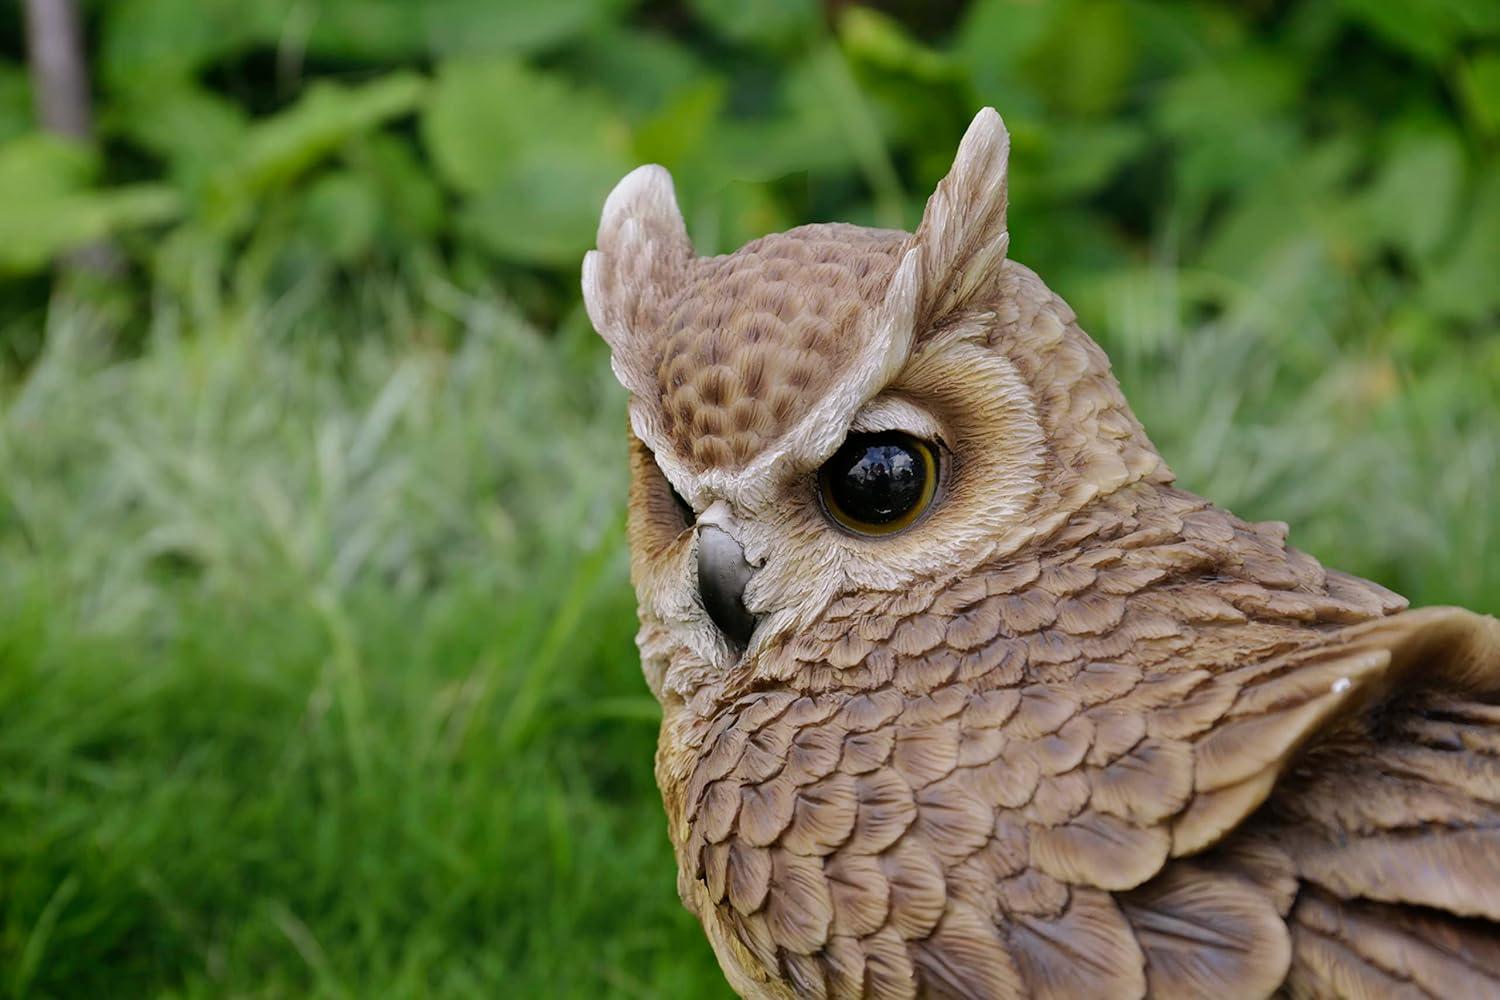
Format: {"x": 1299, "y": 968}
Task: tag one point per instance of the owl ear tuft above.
{"x": 962, "y": 237}
{"x": 642, "y": 257}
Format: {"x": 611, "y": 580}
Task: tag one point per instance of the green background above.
{"x": 316, "y": 671}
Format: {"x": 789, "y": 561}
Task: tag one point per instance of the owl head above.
{"x": 836, "y": 411}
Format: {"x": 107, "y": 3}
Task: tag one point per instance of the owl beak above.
{"x": 723, "y": 573}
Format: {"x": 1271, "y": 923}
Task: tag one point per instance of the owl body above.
{"x": 1057, "y": 729}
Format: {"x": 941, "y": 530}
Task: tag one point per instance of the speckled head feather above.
{"x": 755, "y": 339}
{"x": 1073, "y": 731}
{"x": 762, "y": 352}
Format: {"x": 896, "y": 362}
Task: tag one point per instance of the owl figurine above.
{"x": 962, "y": 697}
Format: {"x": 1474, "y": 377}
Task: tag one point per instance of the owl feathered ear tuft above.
{"x": 962, "y": 238}
{"x": 643, "y": 254}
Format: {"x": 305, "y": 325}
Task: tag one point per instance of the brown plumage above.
{"x": 1073, "y": 731}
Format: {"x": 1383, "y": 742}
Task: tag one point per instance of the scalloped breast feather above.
{"x": 1075, "y": 733}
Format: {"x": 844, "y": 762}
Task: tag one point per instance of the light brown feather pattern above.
{"x": 986, "y": 802}
{"x": 1078, "y": 732}
{"x": 755, "y": 337}
{"x": 1000, "y": 781}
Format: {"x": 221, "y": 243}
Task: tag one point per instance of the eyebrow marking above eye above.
{"x": 890, "y": 412}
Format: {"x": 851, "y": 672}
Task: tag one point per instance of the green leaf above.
{"x": 1461, "y": 284}
{"x": 1286, "y": 213}
{"x": 38, "y": 166}
{"x": 1082, "y": 156}
{"x": 1480, "y": 18}
{"x": 195, "y": 130}
{"x": 1219, "y": 97}
{"x": 411, "y": 200}
{"x": 341, "y": 214}
{"x": 640, "y": 69}
{"x": 742, "y": 212}
{"x": 540, "y": 211}
{"x": 1479, "y": 83}
{"x": 681, "y": 133}
{"x": 394, "y": 30}
{"x": 492, "y": 27}
{"x": 1428, "y": 29}
{"x": 1086, "y": 62}
{"x": 486, "y": 116}
{"x": 1175, "y": 37}
{"x": 1412, "y": 201}
{"x": 373, "y": 30}
{"x": 15, "y": 101}
{"x": 995, "y": 41}
{"x": 770, "y": 23}
{"x": 33, "y": 232}
{"x": 279, "y": 148}
{"x": 1005, "y": 32}
{"x": 1231, "y": 120}
{"x": 881, "y": 41}
{"x": 47, "y": 209}
{"x": 536, "y": 154}
{"x": 145, "y": 41}
{"x": 823, "y": 126}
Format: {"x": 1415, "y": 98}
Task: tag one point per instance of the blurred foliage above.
{"x": 315, "y": 661}
{"x": 255, "y": 144}
{"x": 315, "y": 664}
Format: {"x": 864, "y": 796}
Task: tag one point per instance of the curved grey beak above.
{"x": 722, "y": 576}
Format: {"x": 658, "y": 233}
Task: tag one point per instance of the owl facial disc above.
{"x": 723, "y": 573}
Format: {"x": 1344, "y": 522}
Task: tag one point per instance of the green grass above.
{"x": 316, "y": 672}
{"x": 315, "y": 659}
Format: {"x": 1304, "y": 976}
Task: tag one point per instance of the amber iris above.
{"x": 880, "y": 483}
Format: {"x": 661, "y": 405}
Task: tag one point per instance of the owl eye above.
{"x": 879, "y": 483}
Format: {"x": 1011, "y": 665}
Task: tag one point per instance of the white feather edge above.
{"x": 640, "y": 219}
{"x": 644, "y": 194}
{"x": 962, "y": 234}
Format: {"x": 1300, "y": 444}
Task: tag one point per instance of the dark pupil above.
{"x": 876, "y": 478}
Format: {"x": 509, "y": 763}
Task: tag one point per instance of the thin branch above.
{"x": 60, "y": 91}
{"x": 60, "y": 76}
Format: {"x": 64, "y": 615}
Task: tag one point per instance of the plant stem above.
{"x": 60, "y": 89}
{"x": 60, "y": 77}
